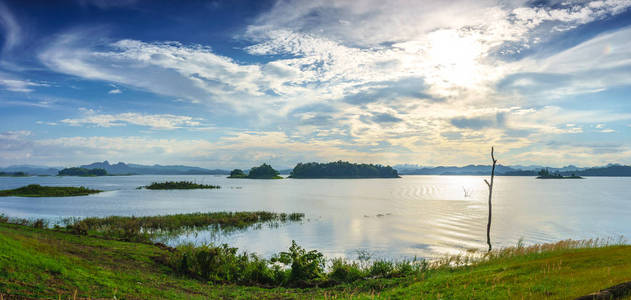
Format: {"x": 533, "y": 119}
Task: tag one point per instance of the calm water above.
{"x": 424, "y": 216}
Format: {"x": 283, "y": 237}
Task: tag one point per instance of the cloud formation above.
{"x": 392, "y": 82}
{"x": 157, "y": 121}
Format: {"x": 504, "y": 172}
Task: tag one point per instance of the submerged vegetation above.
{"x": 144, "y": 229}
{"x": 54, "y": 264}
{"x": 342, "y": 169}
{"x": 179, "y": 185}
{"x": 82, "y": 172}
{"x": 36, "y": 190}
{"x": 263, "y": 171}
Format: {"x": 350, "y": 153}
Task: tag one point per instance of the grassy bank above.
{"x": 46, "y": 263}
{"x": 179, "y": 185}
{"x": 36, "y": 190}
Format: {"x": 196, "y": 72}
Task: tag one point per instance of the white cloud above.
{"x": 400, "y": 76}
{"x": 18, "y": 85}
{"x": 11, "y": 28}
{"x": 157, "y": 121}
{"x": 115, "y": 91}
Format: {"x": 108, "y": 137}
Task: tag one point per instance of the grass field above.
{"x": 42, "y": 263}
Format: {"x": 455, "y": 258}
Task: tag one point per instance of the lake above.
{"x": 423, "y": 216}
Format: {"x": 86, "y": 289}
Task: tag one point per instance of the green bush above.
{"x": 294, "y": 268}
{"x": 222, "y": 264}
{"x": 345, "y": 272}
{"x": 305, "y": 266}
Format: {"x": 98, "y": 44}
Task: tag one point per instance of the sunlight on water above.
{"x": 424, "y": 216}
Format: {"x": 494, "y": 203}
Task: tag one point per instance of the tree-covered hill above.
{"x": 342, "y": 169}
{"x": 82, "y": 172}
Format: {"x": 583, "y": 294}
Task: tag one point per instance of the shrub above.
{"x": 381, "y": 268}
{"x": 305, "y": 266}
{"x": 40, "y": 223}
{"x": 222, "y": 264}
{"x": 345, "y": 272}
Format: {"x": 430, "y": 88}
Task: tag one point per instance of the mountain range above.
{"x": 408, "y": 169}
{"x": 608, "y": 170}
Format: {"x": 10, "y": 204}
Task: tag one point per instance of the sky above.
{"x": 229, "y": 84}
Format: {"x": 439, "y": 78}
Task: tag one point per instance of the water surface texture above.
{"x": 424, "y": 216}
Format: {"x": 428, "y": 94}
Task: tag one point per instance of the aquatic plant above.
{"x": 144, "y": 229}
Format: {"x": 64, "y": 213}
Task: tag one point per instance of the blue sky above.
{"x": 235, "y": 83}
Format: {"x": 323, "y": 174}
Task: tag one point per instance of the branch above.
{"x": 493, "y": 156}
{"x": 487, "y": 183}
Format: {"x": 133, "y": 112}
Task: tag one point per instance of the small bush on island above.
{"x": 36, "y": 190}
{"x": 342, "y": 169}
{"x": 82, "y": 172}
{"x": 263, "y": 171}
{"x": 179, "y": 185}
{"x": 237, "y": 173}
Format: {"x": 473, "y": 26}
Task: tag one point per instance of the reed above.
{"x": 148, "y": 227}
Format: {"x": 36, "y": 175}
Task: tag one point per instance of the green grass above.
{"x": 41, "y": 263}
{"x": 36, "y": 190}
{"x": 143, "y": 229}
{"x": 179, "y": 185}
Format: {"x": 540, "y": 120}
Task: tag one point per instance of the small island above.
{"x": 13, "y": 174}
{"x": 545, "y": 174}
{"x": 237, "y": 173}
{"x": 82, "y": 172}
{"x": 263, "y": 171}
{"x": 36, "y": 190}
{"x": 178, "y": 185}
{"x": 342, "y": 169}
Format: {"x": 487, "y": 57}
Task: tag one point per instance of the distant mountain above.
{"x": 452, "y": 170}
{"x": 31, "y": 169}
{"x": 123, "y": 168}
{"x": 609, "y": 170}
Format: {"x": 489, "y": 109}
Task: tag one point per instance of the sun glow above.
{"x": 454, "y": 59}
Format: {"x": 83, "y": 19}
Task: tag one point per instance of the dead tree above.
{"x": 488, "y": 225}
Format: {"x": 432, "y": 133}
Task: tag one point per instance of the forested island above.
{"x": 263, "y": 171}
{"x": 36, "y": 190}
{"x": 13, "y": 174}
{"x": 342, "y": 169}
{"x": 82, "y": 172}
{"x": 545, "y": 174}
{"x": 178, "y": 185}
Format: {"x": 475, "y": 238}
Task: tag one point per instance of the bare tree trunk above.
{"x": 490, "y": 185}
